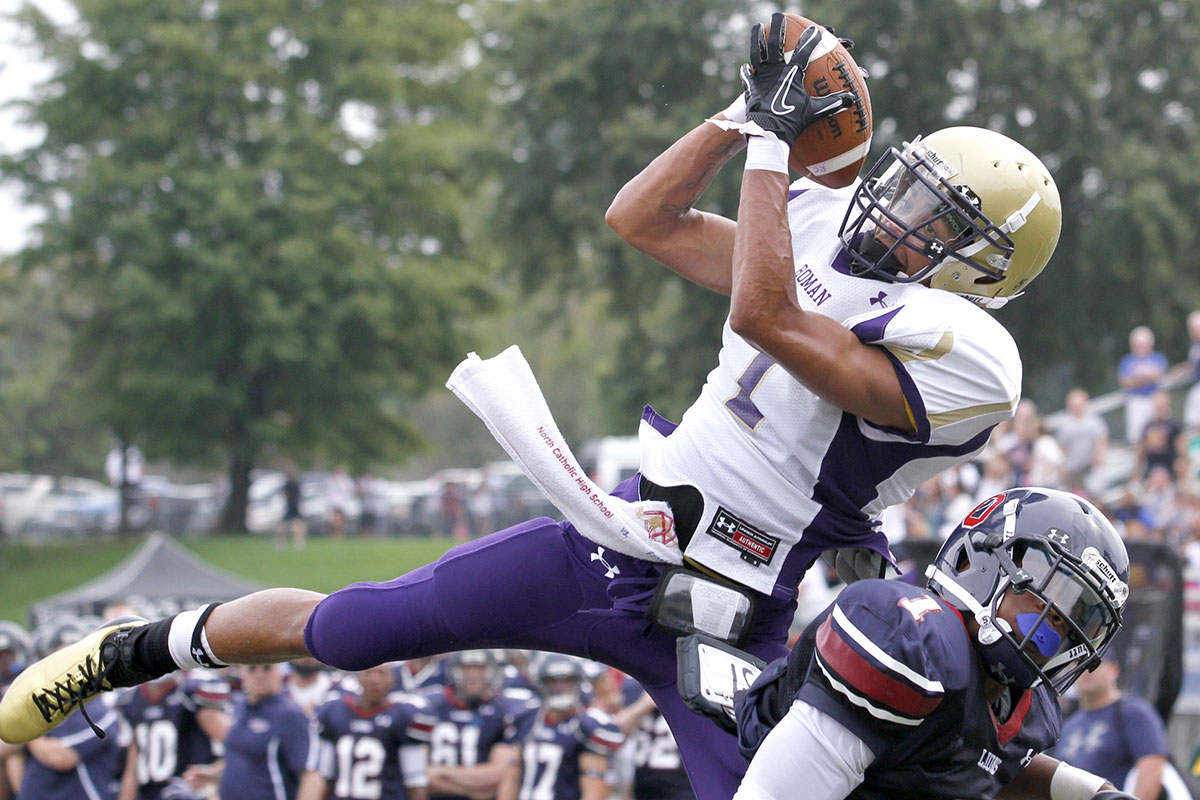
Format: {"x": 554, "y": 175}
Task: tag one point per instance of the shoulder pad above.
{"x": 893, "y": 650}
{"x": 599, "y": 733}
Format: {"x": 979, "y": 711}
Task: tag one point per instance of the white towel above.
{"x": 503, "y": 392}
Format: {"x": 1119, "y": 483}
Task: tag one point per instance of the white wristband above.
{"x": 767, "y": 152}
{"x": 737, "y": 109}
{"x": 1073, "y": 783}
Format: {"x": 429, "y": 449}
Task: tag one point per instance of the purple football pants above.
{"x": 540, "y": 585}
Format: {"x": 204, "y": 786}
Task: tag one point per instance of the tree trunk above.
{"x": 233, "y": 516}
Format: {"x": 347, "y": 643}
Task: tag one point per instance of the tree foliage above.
{"x": 262, "y": 202}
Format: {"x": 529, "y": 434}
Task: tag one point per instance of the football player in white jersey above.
{"x": 855, "y": 364}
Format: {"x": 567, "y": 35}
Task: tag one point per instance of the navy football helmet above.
{"x": 478, "y": 687}
{"x": 16, "y": 650}
{"x": 552, "y": 673}
{"x": 1060, "y": 548}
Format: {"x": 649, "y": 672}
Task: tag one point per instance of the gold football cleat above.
{"x": 47, "y": 691}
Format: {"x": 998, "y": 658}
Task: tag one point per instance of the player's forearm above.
{"x": 214, "y": 722}
{"x": 1149, "y": 777}
{"x": 629, "y": 717}
{"x": 312, "y": 786}
{"x": 655, "y": 211}
{"x": 763, "y": 287}
{"x": 480, "y": 781}
{"x": 1046, "y": 778}
{"x": 53, "y": 754}
{"x": 669, "y": 187}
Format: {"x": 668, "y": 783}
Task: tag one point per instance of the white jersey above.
{"x": 776, "y": 464}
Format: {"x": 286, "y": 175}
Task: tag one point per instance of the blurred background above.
{"x": 245, "y": 242}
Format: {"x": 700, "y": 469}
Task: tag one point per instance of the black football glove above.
{"x": 775, "y": 96}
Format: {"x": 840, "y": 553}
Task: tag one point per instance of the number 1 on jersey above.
{"x": 741, "y": 405}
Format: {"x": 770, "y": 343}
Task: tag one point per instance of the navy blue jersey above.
{"x": 658, "y": 772}
{"x": 550, "y": 755}
{"x": 360, "y": 749}
{"x": 463, "y": 736}
{"x": 269, "y": 744}
{"x": 430, "y": 676}
{"x": 97, "y": 775}
{"x": 1108, "y": 741}
{"x": 895, "y": 665}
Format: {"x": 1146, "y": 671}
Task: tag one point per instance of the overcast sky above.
{"x": 19, "y": 72}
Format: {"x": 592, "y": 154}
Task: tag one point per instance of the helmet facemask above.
{"x": 560, "y": 682}
{"x": 900, "y": 205}
{"x": 1079, "y": 594}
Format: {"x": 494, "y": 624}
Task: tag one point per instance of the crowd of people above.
{"x": 511, "y": 725}
{"x": 1159, "y": 500}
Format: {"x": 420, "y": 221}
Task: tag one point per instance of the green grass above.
{"x": 29, "y": 573}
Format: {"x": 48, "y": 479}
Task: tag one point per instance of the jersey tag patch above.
{"x": 752, "y": 544}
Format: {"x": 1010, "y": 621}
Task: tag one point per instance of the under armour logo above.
{"x": 726, "y": 524}
{"x": 613, "y": 570}
{"x": 201, "y": 657}
{"x": 998, "y": 672}
{"x": 879, "y": 299}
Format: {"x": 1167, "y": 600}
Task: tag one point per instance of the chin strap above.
{"x": 1003, "y": 660}
{"x": 989, "y": 630}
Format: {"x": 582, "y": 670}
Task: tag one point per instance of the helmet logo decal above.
{"x": 1118, "y": 588}
{"x": 1060, "y": 538}
{"x": 971, "y": 197}
{"x": 981, "y": 511}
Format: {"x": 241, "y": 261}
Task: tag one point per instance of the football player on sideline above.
{"x": 568, "y": 753}
{"x": 903, "y": 693}
{"x": 856, "y": 363}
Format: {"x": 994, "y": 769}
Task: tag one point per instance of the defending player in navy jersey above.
{"x": 856, "y": 363}
{"x": 567, "y": 755}
{"x": 373, "y": 747}
{"x": 173, "y": 723}
{"x": 654, "y": 758}
{"x": 899, "y": 692}
{"x": 475, "y": 730}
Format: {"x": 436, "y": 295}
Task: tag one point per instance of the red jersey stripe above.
{"x": 867, "y": 678}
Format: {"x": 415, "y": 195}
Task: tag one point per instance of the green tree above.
{"x": 45, "y": 424}
{"x": 588, "y": 93}
{"x": 1103, "y": 91}
{"x": 261, "y": 201}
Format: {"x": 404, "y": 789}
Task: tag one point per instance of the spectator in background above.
{"x": 1083, "y": 437}
{"x": 124, "y": 466}
{"x": 1035, "y": 456}
{"x": 1191, "y": 407}
{"x": 1139, "y": 372}
{"x": 75, "y": 763}
{"x": 271, "y": 749}
{"x": 339, "y": 494}
{"x": 1121, "y": 738}
{"x": 308, "y": 683}
{"x": 293, "y": 519}
{"x": 1158, "y": 445}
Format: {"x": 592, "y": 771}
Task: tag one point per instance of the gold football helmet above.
{"x": 979, "y": 208}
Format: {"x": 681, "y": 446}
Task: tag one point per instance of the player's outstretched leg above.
{"x": 263, "y": 627}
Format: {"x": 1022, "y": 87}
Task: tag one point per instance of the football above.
{"x": 831, "y": 151}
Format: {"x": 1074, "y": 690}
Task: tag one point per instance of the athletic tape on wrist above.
{"x": 1073, "y": 783}
{"x": 736, "y": 112}
{"x": 767, "y": 152}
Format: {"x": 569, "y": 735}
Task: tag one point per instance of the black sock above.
{"x": 150, "y": 651}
